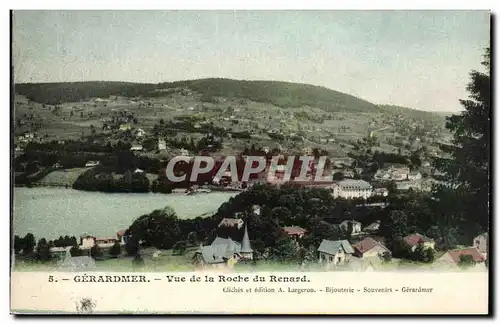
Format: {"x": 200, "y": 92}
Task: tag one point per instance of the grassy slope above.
{"x": 282, "y": 94}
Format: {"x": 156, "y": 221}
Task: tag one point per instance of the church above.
{"x": 225, "y": 252}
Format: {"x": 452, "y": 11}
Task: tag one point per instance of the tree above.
{"x": 284, "y": 250}
{"x": 179, "y": 248}
{"x": 466, "y": 260}
{"x": 115, "y": 250}
{"x": 422, "y": 254}
{"x": 95, "y": 252}
{"x": 192, "y": 238}
{"x": 29, "y": 243}
{"x": 132, "y": 246}
{"x": 159, "y": 229}
{"x": 469, "y": 167}
{"x": 338, "y": 176}
{"x": 75, "y": 251}
{"x": 42, "y": 250}
{"x": 18, "y": 244}
{"x": 396, "y": 225}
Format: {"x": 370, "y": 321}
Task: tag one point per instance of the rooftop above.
{"x": 356, "y": 184}
{"x": 367, "y": 244}
{"x": 332, "y": 247}
{"x": 476, "y": 255}
{"x": 294, "y": 230}
{"x": 414, "y": 239}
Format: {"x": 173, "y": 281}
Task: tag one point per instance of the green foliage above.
{"x": 395, "y": 226}
{"x": 159, "y": 229}
{"x": 132, "y": 246}
{"x": 18, "y": 244}
{"x": 179, "y": 248}
{"x": 467, "y": 171}
{"x": 43, "y": 250}
{"x": 115, "y": 250}
{"x": 95, "y": 252}
{"x": 285, "y": 250}
{"x": 75, "y": 251}
{"x": 466, "y": 260}
{"x": 422, "y": 254}
{"x": 28, "y": 243}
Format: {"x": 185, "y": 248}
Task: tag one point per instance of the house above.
{"x": 381, "y": 192}
{"x": 60, "y": 253}
{"x": 162, "y": 144}
{"x": 80, "y": 263}
{"x": 335, "y": 252}
{"x": 294, "y": 231}
{"x": 452, "y": 259}
{"x": 407, "y": 185}
{"x": 106, "y": 242}
{"x": 224, "y": 252}
{"x": 481, "y": 243}
{"x": 230, "y": 222}
{"x": 373, "y": 227}
{"x": 351, "y": 227}
{"x": 92, "y": 163}
{"x": 138, "y": 170}
{"x": 368, "y": 247}
{"x": 399, "y": 171}
{"x": 416, "y": 239}
{"x": 349, "y": 189}
{"x": 348, "y": 174}
{"x": 307, "y": 151}
{"x": 136, "y": 147}
{"x": 414, "y": 175}
{"x": 86, "y": 242}
{"x": 184, "y": 152}
{"x": 393, "y": 172}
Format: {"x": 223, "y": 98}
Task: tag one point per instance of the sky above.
{"x": 416, "y": 59}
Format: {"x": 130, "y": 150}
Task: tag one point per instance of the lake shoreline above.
{"x": 54, "y": 211}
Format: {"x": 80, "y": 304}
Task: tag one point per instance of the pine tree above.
{"x": 467, "y": 171}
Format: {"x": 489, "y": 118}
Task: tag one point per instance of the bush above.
{"x": 75, "y": 251}
{"x": 115, "y": 250}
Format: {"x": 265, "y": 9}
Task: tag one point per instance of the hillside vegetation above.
{"x": 277, "y": 115}
{"x": 281, "y": 94}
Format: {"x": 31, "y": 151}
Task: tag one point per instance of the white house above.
{"x": 350, "y": 189}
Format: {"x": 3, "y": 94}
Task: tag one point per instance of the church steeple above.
{"x": 245, "y": 244}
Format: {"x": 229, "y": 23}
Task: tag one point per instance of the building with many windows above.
{"x": 351, "y": 189}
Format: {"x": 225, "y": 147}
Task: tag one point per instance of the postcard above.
{"x": 250, "y": 162}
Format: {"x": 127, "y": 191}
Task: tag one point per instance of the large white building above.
{"x": 350, "y": 189}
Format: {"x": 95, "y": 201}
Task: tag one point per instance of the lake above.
{"x": 52, "y": 212}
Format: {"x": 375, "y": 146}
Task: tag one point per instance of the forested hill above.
{"x": 282, "y": 94}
